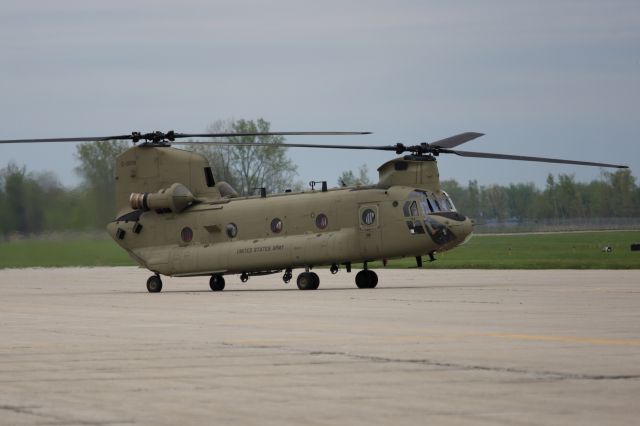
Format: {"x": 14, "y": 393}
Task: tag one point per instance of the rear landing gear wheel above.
{"x": 216, "y": 282}
{"x": 154, "y": 284}
{"x": 308, "y": 281}
{"x": 366, "y": 279}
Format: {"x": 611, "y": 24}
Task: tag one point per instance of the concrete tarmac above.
{"x": 446, "y": 347}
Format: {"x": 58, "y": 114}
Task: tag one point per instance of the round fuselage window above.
{"x": 186, "y": 234}
{"x": 322, "y": 221}
{"x": 276, "y": 226}
{"x": 232, "y": 230}
{"x": 368, "y": 217}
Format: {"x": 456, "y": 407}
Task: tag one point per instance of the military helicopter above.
{"x": 174, "y": 219}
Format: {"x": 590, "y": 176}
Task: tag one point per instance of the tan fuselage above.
{"x": 218, "y": 234}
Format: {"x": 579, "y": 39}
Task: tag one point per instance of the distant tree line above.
{"x": 32, "y": 203}
{"x": 36, "y": 202}
{"x": 613, "y": 194}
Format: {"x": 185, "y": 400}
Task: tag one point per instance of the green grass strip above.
{"x": 574, "y": 250}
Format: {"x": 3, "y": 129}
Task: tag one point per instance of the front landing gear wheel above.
{"x": 366, "y": 279}
{"x": 287, "y": 276}
{"x": 308, "y": 281}
{"x": 154, "y": 284}
{"x": 216, "y": 283}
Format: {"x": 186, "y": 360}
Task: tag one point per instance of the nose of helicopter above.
{"x": 465, "y": 231}
{"x": 450, "y": 231}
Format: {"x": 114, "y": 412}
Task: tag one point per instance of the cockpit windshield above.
{"x": 429, "y": 203}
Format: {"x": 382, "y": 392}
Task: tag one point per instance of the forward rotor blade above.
{"x": 289, "y": 145}
{"x": 456, "y": 140}
{"x": 526, "y": 158}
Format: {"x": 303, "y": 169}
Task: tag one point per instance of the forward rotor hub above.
{"x": 421, "y": 149}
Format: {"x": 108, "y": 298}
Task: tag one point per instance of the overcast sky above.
{"x": 550, "y": 78}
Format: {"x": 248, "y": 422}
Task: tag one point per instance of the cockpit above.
{"x": 419, "y": 209}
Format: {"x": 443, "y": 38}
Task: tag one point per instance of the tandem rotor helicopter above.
{"x": 174, "y": 219}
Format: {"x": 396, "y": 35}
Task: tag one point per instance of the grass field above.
{"x": 58, "y": 253}
{"x": 572, "y": 250}
{"x": 575, "y": 250}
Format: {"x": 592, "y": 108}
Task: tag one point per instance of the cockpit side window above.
{"x": 414, "y": 208}
{"x": 405, "y": 209}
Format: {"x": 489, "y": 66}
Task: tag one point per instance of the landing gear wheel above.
{"x": 216, "y": 282}
{"x": 308, "y": 281}
{"x": 366, "y": 279}
{"x": 154, "y": 284}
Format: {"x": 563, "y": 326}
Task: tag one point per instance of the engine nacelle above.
{"x": 176, "y": 198}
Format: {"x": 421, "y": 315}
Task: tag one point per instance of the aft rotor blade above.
{"x": 526, "y": 158}
{"x": 170, "y": 136}
{"x": 75, "y": 139}
{"x": 456, "y": 140}
{"x": 225, "y": 135}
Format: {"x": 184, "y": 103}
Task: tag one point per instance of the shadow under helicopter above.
{"x": 321, "y": 289}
